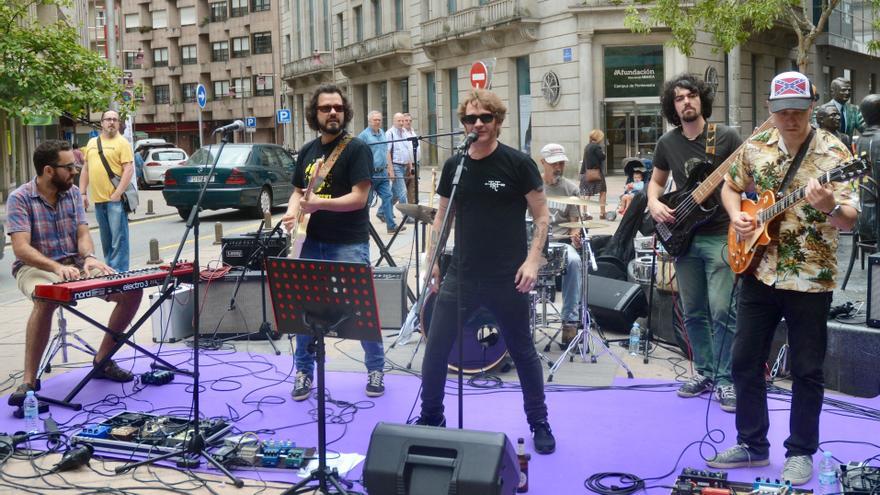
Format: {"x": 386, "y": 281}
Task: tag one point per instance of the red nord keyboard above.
{"x": 74, "y": 290}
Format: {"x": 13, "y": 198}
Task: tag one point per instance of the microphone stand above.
{"x": 454, "y": 200}
{"x": 194, "y": 448}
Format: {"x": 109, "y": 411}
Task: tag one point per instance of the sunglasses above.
{"x": 71, "y": 167}
{"x": 327, "y": 108}
{"x": 472, "y": 119}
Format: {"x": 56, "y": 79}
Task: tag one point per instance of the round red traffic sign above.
{"x": 479, "y": 75}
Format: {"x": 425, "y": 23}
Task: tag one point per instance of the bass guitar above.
{"x": 690, "y": 212}
{"x": 300, "y": 225}
{"x": 744, "y": 251}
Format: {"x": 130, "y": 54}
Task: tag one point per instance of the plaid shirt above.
{"x": 52, "y": 228}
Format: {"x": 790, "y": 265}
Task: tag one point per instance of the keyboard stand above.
{"x": 121, "y": 339}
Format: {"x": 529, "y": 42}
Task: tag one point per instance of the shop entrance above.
{"x": 631, "y": 130}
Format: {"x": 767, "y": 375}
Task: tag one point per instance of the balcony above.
{"x": 316, "y": 67}
{"x": 494, "y": 25}
{"x": 375, "y": 54}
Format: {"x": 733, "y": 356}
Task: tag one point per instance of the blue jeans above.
{"x": 705, "y": 282}
{"x": 113, "y": 224}
{"x": 374, "y": 353}
{"x": 571, "y": 286}
{"x": 382, "y": 187}
{"x": 399, "y": 184}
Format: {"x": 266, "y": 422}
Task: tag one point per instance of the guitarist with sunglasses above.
{"x": 794, "y": 277}
{"x": 705, "y": 281}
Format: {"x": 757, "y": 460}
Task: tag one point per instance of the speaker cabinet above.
{"x": 390, "y": 285}
{"x": 873, "y": 313}
{"x": 616, "y": 304}
{"x": 423, "y": 460}
{"x": 245, "y": 316}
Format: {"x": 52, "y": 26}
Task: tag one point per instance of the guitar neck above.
{"x": 711, "y": 183}
{"x": 778, "y": 208}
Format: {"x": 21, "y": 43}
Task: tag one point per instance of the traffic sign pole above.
{"x": 202, "y": 100}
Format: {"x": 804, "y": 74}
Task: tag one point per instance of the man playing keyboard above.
{"x": 52, "y": 243}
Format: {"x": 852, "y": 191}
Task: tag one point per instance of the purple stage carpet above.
{"x": 637, "y": 426}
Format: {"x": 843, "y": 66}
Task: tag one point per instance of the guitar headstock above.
{"x": 851, "y": 169}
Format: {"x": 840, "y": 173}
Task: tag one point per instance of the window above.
{"x": 339, "y": 30}
{"x": 188, "y": 54}
{"x": 160, "y": 57}
{"x": 218, "y": 11}
{"x": 398, "y": 15}
{"x": 287, "y": 48}
{"x": 130, "y": 60}
{"x": 451, "y": 6}
{"x": 264, "y": 85}
{"x": 358, "y": 24}
{"x": 262, "y": 43}
{"x": 187, "y": 16}
{"x": 242, "y": 87}
{"x": 220, "y": 51}
{"x": 132, "y": 22}
{"x": 100, "y": 18}
{"x": 160, "y": 19}
{"x": 260, "y": 5}
{"x": 328, "y": 26}
{"x": 161, "y": 94}
{"x": 221, "y": 89}
{"x": 377, "y": 17}
{"x": 241, "y": 47}
{"x": 239, "y": 8}
{"x": 189, "y": 92}
{"x": 404, "y": 94}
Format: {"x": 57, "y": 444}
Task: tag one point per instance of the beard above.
{"x": 62, "y": 185}
{"x": 330, "y": 127}
{"x": 689, "y": 115}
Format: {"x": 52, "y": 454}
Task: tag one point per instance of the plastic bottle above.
{"x": 827, "y": 475}
{"x": 31, "y": 413}
{"x": 523, "y": 459}
{"x": 634, "y": 336}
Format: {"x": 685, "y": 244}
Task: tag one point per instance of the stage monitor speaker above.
{"x": 423, "y": 460}
{"x": 616, "y": 304}
{"x": 215, "y": 317}
{"x": 390, "y": 285}
{"x": 873, "y": 313}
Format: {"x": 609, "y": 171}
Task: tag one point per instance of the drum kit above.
{"x": 639, "y": 269}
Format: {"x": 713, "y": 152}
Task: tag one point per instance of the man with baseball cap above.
{"x": 794, "y": 279}
{"x": 553, "y": 160}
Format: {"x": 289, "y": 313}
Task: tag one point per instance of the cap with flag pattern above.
{"x": 790, "y": 91}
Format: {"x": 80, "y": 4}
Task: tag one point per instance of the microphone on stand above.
{"x": 466, "y": 142}
{"x": 235, "y": 126}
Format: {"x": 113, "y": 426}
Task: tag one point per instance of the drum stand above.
{"x": 585, "y": 337}
{"x": 542, "y": 294}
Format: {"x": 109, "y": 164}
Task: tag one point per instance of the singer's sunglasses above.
{"x": 472, "y": 119}
{"x": 327, "y": 108}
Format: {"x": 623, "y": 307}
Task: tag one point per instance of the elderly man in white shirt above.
{"x": 400, "y": 155}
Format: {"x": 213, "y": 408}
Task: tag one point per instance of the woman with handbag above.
{"x": 592, "y": 169}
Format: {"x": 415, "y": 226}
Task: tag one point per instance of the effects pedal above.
{"x": 157, "y": 377}
{"x": 95, "y": 431}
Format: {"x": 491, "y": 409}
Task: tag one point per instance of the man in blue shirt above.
{"x": 373, "y": 135}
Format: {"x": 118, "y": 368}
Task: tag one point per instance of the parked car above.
{"x": 157, "y": 161}
{"x": 254, "y": 177}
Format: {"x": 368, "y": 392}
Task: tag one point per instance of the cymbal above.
{"x": 586, "y": 225}
{"x": 572, "y": 200}
{"x": 422, "y": 213}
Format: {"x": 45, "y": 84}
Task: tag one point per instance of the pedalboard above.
{"x": 278, "y": 454}
{"x": 703, "y": 482}
{"x": 856, "y": 479}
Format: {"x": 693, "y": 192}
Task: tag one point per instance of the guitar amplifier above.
{"x": 390, "y": 285}
{"x": 873, "y": 313}
{"x": 245, "y": 317}
{"x": 236, "y": 250}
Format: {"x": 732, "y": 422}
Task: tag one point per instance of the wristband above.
{"x": 90, "y": 256}
{"x": 833, "y": 211}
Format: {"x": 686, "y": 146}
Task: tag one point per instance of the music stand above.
{"x": 319, "y": 298}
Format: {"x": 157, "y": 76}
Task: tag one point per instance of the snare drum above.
{"x": 557, "y": 259}
{"x": 640, "y": 269}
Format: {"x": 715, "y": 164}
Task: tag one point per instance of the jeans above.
{"x": 382, "y": 187}
{"x": 511, "y": 309}
{"x": 113, "y": 224}
{"x": 705, "y": 282}
{"x": 761, "y": 307}
{"x": 374, "y": 353}
{"x": 399, "y": 183}
{"x": 571, "y": 286}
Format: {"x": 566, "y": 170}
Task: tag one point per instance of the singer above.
{"x": 492, "y": 266}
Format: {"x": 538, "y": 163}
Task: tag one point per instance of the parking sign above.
{"x": 282, "y": 116}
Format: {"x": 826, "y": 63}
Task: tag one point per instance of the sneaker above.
{"x": 696, "y": 386}
{"x": 17, "y": 397}
{"x": 736, "y": 457}
{"x": 569, "y": 331}
{"x": 727, "y": 397}
{"x": 380, "y": 216}
{"x": 542, "y": 437}
{"x": 302, "y": 387}
{"x": 438, "y": 421}
{"x": 113, "y": 372}
{"x": 798, "y": 469}
{"x": 375, "y": 385}
{"x": 394, "y": 229}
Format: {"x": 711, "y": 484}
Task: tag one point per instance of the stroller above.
{"x": 632, "y": 163}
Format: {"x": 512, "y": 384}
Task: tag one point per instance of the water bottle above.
{"x": 31, "y": 413}
{"x": 523, "y": 459}
{"x": 827, "y": 475}
{"x": 634, "y": 336}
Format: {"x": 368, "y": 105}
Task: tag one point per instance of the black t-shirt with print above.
{"x": 354, "y": 165}
{"x": 491, "y": 212}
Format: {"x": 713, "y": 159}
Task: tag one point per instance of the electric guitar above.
{"x": 690, "y": 212}
{"x": 300, "y": 225}
{"x": 744, "y": 252}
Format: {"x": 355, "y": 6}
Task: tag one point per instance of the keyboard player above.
{"x": 51, "y": 241}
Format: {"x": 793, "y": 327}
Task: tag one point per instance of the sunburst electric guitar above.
{"x": 743, "y": 251}
{"x": 298, "y": 232}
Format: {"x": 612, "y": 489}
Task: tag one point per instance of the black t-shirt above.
{"x": 673, "y": 152}
{"x": 491, "y": 212}
{"x": 594, "y": 157}
{"x": 354, "y": 165}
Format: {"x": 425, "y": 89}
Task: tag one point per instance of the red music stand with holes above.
{"x": 323, "y": 298}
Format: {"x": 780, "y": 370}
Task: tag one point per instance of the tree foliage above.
{"x": 732, "y": 22}
{"x": 43, "y": 68}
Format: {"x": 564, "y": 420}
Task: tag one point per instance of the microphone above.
{"x": 74, "y": 458}
{"x": 466, "y": 142}
{"x": 235, "y": 126}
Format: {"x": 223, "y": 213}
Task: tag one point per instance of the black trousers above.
{"x": 761, "y": 308}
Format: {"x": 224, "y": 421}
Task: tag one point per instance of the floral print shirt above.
{"x": 803, "y": 257}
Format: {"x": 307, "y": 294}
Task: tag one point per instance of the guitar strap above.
{"x": 710, "y": 143}
{"x": 795, "y": 164}
{"x": 336, "y": 152}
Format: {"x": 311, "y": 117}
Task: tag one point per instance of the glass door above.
{"x": 631, "y": 130}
